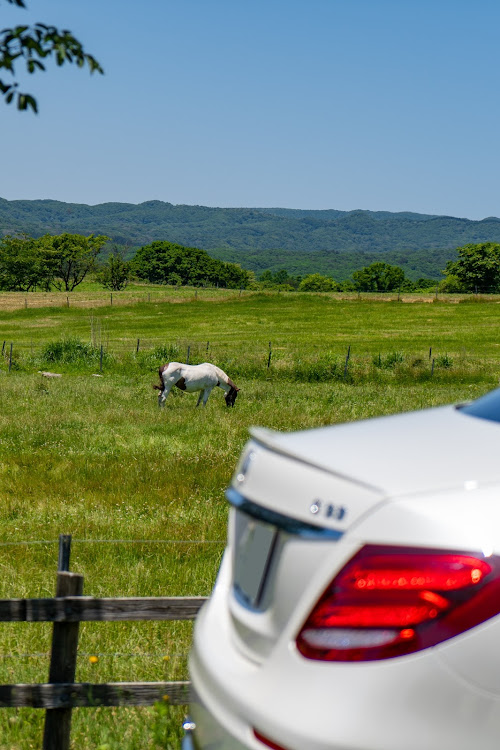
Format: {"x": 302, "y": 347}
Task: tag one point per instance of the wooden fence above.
{"x": 66, "y": 610}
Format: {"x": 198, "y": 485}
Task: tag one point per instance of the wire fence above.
{"x": 10, "y": 301}
{"x": 250, "y": 358}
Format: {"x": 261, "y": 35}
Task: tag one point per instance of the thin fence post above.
{"x": 67, "y": 301}
{"x": 56, "y": 733}
{"x": 64, "y": 552}
{"x": 137, "y": 347}
{"x": 10, "y": 357}
{"x": 208, "y": 344}
{"x": 430, "y": 352}
{"x": 270, "y": 355}
{"x": 25, "y": 303}
{"x": 3, "y": 348}
{"x": 111, "y": 299}
{"x": 347, "y": 361}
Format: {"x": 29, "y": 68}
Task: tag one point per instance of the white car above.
{"x": 357, "y": 603}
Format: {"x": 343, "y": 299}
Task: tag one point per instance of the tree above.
{"x": 25, "y": 263}
{"x": 477, "y": 268}
{"x": 315, "y": 282}
{"x": 115, "y": 273}
{"x": 279, "y": 280}
{"x": 379, "y": 277}
{"x": 75, "y": 256}
{"x": 162, "y": 261}
{"x": 32, "y": 45}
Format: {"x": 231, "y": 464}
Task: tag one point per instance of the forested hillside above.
{"x": 303, "y": 241}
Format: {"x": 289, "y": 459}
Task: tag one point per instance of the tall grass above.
{"x": 141, "y": 490}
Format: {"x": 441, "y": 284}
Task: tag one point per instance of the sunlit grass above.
{"x": 141, "y": 490}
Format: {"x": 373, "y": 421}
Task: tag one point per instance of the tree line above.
{"x": 476, "y": 269}
{"x": 63, "y": 261}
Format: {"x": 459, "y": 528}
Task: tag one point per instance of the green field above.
{"x": 142, "y": 490}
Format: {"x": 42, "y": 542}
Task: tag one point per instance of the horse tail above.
{"x": 160, "y": 387}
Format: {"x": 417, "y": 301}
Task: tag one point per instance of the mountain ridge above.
{"x": 261, "y": 237}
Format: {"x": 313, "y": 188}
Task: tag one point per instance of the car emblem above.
{"x": 329, "y": 510}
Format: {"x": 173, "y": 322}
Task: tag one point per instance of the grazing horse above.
{"x": 192, "y": 378}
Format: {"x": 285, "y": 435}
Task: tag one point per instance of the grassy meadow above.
{"x": 140, "y": 489}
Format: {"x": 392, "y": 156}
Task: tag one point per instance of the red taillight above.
{"x": 267, "y": 742}
{"x": 389, "y": 601}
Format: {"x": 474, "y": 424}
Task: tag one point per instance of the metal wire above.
{"x": 116, "y": 541}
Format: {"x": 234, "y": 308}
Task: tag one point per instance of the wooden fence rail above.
{"x": 66, "y": 610}
{"x": 90, "y": 609}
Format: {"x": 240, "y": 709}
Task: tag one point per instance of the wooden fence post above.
{"x": 188, "y": 352}
{"x": 270, "y": 355}
{"x": 56, "y": 734}
{"x": 64, "y": 552}
{"x": 137, "y": 348}
{"x": 347, "y": 361}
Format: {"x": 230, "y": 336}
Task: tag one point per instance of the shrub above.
{"x": 160, "y": 355}
{"x": 71, "y": 351}
{"x": 443, "y": 361}
{"x": 389, "y": 361}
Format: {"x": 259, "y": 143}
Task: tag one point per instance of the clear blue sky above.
{"x": 374, "y": 104}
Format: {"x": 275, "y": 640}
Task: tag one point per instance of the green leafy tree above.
{"x": 281, "y": 279}
{"x": 451, "y": 285}
{"x": 379, "y": 277}
{"x": 423, "y": 284}
{"x": 162, "y": 261}
{"x": 477, "y": 268}
{"x": 115, "y": 272}
{"x": 26, "y": 264}
{"x": 75, "y": 257}
{"x": 30, "y": 46}
{"x": 315, "y": 282}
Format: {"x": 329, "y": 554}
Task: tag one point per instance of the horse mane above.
{"x": 233, "y": 385}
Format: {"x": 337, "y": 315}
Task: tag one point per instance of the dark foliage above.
{"x": 333, "y": 243}
{"x": 166, "y": 263}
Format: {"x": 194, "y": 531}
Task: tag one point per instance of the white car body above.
{"x": 424, "y": 484}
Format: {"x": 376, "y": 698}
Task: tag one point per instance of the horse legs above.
{"x": 204, "y": 394}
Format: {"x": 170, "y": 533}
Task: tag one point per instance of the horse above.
{"x": 193, "y": 378}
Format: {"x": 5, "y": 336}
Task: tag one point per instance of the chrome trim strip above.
{"x": 285, "y": 523}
